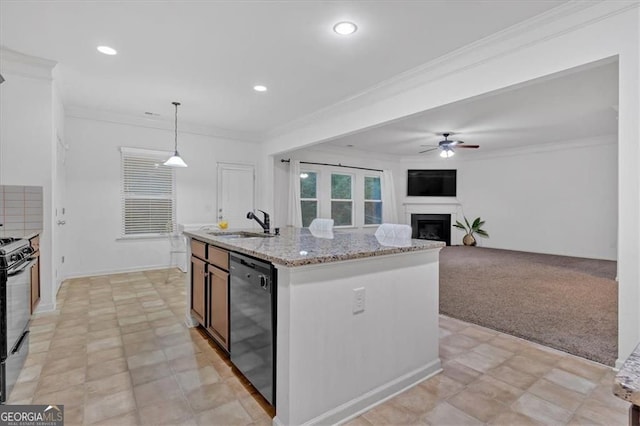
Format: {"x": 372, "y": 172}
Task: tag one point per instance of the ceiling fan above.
{"x": 447, "y": 146}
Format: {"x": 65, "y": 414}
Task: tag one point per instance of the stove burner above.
{"x": 5, "y": 241}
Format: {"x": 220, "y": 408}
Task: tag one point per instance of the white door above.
{"x": 236, "y": 194}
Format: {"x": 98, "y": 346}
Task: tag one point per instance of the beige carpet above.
{"x": 566, "y": 303}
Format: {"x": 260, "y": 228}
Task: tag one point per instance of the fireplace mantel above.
{"x": 439, "y": 205}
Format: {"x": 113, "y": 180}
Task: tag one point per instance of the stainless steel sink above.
{"x": 240, "y": 234}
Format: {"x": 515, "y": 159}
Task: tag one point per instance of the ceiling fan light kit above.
{"x": 447, "y": 153}
{"x": 446, "y": 146}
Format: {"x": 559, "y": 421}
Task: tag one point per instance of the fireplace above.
{"x": 431, "y": 227}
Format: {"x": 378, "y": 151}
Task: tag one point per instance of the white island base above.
{"x": 333, "y": 364}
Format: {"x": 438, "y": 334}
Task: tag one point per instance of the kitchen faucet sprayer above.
{"x": 265, "y": 225}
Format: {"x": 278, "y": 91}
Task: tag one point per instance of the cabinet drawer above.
{"x": 198, "y": 249}
{"x": 218, "y": 257}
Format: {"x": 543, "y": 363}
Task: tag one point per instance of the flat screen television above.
{"x": 431, "y": 183}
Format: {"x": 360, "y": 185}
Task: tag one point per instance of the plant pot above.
{"x": 469, "y": 240}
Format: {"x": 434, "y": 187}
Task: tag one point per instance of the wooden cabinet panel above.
{"x": 218, "y": 319}
{"x": 198, "y": 289}
{"x": 35, "y": 243}
{"x": 35, "y": 284}
{"x": 35, "y": 273}
{"x": 218, "y": 257}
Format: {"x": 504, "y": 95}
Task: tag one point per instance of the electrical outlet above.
{"x": 358, "y": 300}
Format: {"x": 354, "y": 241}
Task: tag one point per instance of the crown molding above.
{"x": 157, "y": 123}
{"x": 12, "y": 62}
{"x": 556, "y": 146}
{"x": 554, "y": 23}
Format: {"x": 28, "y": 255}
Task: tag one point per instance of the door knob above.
{"x": 61, "y": 222}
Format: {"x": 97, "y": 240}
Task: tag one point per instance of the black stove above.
{"x": 16, "y": 259}
{"x": 14, "y": 251}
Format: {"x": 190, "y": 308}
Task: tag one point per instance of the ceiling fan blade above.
{"x": 454, "y": 143}
{"x": 467, "y": 146}
{"x": 428, "y": 150}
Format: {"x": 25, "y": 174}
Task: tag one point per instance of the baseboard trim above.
{"x": 619, "y": 364}
{"x": 45, "y": 307}
{"x": 190, "y": 322}
{"x": 119, "y": 271}
{"x": 377, "y": 396}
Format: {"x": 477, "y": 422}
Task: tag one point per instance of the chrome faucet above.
{"x": 265, "y": 225}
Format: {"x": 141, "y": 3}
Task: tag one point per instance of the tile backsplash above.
{"x": 20, "y": 210}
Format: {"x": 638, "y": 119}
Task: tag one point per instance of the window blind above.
{"x": 148, "y": 193}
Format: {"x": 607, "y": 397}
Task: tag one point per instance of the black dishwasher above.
{"x": 252, "y": 323}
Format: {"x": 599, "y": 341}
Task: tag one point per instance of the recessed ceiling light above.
{"x": 107, "y": 50}
{"x": 345, "y": 28}
{"x": 260, "y": 88}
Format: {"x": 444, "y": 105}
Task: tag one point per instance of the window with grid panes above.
{"x": 372, "y": 200}
{"x": 308, "y": 196}
{"x": 342, "y": 199}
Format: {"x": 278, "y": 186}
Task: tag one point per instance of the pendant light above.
{"x": 176, "y": 160}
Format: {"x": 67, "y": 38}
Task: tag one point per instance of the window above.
{"x": 308, "y": 196}
{"x": 351, "y": 197}
{"x": 372, "y": 200}
{"x": 148, "y": 193}
{"x": 341, "y": 199}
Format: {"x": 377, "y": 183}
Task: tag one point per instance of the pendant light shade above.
{"x": 176, "y": 160}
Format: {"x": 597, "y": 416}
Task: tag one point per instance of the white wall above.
{"x": 26, "y": 144}
{"x": 576, "y": 34}
{"x": 93, "y": 191}
{"x": 559, "y": 200}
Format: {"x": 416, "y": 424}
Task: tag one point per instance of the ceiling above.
{"x": 209, "y": 54}
{"x": 577, "y": 104}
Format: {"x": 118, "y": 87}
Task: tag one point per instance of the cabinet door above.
{"x": 35, "y": 284}
{"x": 198, "y": 286}
{"x": 219, "y": 305}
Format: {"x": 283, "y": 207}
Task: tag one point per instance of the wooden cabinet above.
{"x": 210, "y": 290}
{"x": 198, "y": 289}
{"x": 218, "y": 319}
{"x": 35, "y": 273}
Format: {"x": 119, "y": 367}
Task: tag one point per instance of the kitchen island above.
{"x": 357, "y": 319}
{"x": 626, "y": 385}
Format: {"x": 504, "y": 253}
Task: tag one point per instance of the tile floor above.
{"x": 117, "y": 352}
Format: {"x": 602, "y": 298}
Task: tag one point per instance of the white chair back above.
{"x": 394, "y": 234}
{"x": 321, "y": 228}
{"x": 321, "y": 224}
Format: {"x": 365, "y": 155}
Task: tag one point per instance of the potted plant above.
{"x": 476, "y": 226}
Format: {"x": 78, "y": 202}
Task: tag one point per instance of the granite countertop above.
{"x": 19, "y": 234}
{"x": 298, "y": 247}
{"x": 627, "y": 382}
